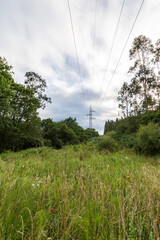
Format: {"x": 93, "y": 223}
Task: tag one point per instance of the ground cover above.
{"x": 77, "y": 193}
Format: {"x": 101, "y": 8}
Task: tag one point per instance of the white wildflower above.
{"x": 33, "y": 184}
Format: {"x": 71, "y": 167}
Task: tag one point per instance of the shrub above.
{"x": 128, "y": 140}
{"x": 107, "y": 143}
{"x": 111, "y": 134}
{"x": 148, "y": 139}
{"x": 92, "y": 143}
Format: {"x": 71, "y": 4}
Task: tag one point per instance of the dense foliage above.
{"x": 91, "y": 133}
{"x": 20, "y": 126}
{"x": 78, "y": 130}
{"x": 148, "y": 139}
{"x": 108, "y": 144}
{"x": 126, "y": 131}
{"x": 59, "y": 134}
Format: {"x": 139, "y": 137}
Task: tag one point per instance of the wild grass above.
{"x": 76, "y": 193}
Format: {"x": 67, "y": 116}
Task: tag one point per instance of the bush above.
{"x": 128, "y": 140}
{"x": 111, "y": 134}
{"x": 107, "y": 143}
{"x": 91, "y": 144}
{"x": 148, "y": 139}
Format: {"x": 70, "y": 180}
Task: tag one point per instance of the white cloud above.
{"x": 36, "y": 36}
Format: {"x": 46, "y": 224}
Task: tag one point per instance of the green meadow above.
{"x": 79, "y": 193}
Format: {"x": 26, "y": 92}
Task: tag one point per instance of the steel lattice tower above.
{"x": 90, "y": 116}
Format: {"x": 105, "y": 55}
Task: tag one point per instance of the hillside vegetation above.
{"x": 78, "y": 193}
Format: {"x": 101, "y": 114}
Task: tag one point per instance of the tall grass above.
{"x": 78, "y": 194}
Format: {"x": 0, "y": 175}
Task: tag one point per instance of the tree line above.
{"x": 143, "y": 92}
{"x": 139, "y": 100}
{"x": 20, "y": 124}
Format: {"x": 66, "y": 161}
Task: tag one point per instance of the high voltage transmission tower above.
{"x": 90, "y": 117}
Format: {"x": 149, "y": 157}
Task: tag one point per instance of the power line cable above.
{"x": 124, "y": 46}
{"x": 115, "y": 34}
{"x": 95, "y": 20}
{"x": 94, "y": 39}
{"x": 76, "y": 51}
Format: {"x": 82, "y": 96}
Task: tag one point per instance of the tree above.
{"x": 78, "y": 130}
{"x": 91, "y": 133}
{"x": 134, "y": 92}
{"x": 6, "y": 82}
{"x": 38, "y": 85}
{"x": 124, "y": 98}
{"x": 156, "y": 61}
{"x": 142, "y": 94}
{"x": 142, "y": 52}
{"x": 20, "y": 126}
{"x": 110, "y": 125}
{"x": 19, "y": 122}
{"x": 58, "y": 133}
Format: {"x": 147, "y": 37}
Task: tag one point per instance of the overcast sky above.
{"x": 36, "y": 35}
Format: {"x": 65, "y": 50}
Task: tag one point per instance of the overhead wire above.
{"x": 94, "y": 39}
{"x": 113, "y": 41}
{"x": 75, "y": 45}
{"x": 124, "y": 47}
{"x": 95, "y": 20}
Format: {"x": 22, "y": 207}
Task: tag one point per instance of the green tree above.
{"x": 20, "y": 126}
{"x": 110, "y": 125}
{"x": 58, "y": 133}
{"x": 78, "y": 130}
{"x": 142, "y": 52}
{"x": 38, "y": 85}
{"x": 134, "y": 92}
{"x": 6, "y": 82}
{"x": 156, "y": 61}
{"x": 124, "y": 98}
{"x": 91, "y": 133}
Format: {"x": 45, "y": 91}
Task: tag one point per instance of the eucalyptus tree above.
{"x": 134, "y": 91}
{"x": 142, "y": 53}
{"x": 156, "y": 61}
{"x": 124, "y": 99}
